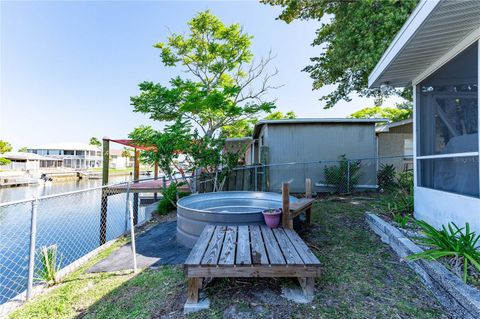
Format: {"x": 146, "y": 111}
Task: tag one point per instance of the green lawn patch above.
{"x": 362, "y": 278}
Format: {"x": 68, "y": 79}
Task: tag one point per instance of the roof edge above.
{"x": 408, "y": 30}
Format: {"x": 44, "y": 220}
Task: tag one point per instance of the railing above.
{"x": 78, "y": 223}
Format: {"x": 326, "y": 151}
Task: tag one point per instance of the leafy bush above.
{"x": 386, "y": 177}
{"x": 451, "y": 241}
{"x": 48, "y": 266}
{"x": 170, "y": 197}
{"x": 405, "y": 180}
{"x": 344, "y": 176}
{"x": 399, "y": 201}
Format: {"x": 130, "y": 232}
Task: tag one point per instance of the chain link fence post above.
{"x": 348, "y": 176}
{"x": 132, "y": 235}
{"x": 33, "y": 238}
{"x": 127, "y": 207}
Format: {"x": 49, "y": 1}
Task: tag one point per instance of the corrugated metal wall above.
{"x": 311, "y": 142}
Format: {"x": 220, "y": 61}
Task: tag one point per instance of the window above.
{"x": 447, "y": 120}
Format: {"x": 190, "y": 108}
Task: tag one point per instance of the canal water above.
{"x": 70, "y": 222}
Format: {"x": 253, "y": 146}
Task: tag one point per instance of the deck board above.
{"x": 289, "y": 252}
{"x": 273, "y": 250}
{"x": 243, "y": 247}
{"x": 259, "y": 254}
{"x": 227, "y": 255}
{"x": 305, "y": 253}
{"x": 214, "y": 248}
{"x": 201, "y": 245}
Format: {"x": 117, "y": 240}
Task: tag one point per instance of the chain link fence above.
{"x": 73, "y": 226}
{"x": 338, "y": 176}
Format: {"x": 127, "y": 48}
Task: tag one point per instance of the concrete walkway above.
{"x": 158, "y": 246}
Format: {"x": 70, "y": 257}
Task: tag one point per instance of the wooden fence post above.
{"x": 287, "y": 221}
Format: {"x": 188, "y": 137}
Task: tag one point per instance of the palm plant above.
{"x": 451, "y": 241}
{"x": 48, "y": 267}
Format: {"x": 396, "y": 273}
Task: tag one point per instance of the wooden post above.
{"x": 106, "y": 160}
{"x": 194, "y": 285}
{"x": 104, "y": 200}
{"x": 155, "y": 176}
{"x": 136, "y": 177}
{"x": 287, "y": 221}
{"x": 308, "y": 188}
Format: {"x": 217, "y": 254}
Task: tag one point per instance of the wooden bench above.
{"x": 294, "y": 209}
{"x": 250, "y": 251}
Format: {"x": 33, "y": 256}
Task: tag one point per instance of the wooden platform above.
{"x": 250, "y": 251}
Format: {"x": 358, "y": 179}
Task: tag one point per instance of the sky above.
{"x": 68, "y": 69}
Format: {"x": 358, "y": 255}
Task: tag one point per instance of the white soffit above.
{"x": 433, "y": 29}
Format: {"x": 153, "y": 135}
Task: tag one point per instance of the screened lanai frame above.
{"x": 464, "y": 163}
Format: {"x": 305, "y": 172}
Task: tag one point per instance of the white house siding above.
{"x": 307, "y": 142}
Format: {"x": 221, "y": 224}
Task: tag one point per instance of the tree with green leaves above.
{"x": 224, "y": 83}
{"x": 353, "y": 41}
{"x": 244, "y": 128}
{"x": 95, "y": 142}
{"x": 392, "y": 114}
{"x": 224, "y": 86}
{"x": 23, "y": 149}
{"x": 4, "y": 148}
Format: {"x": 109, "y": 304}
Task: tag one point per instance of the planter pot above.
{"x": 272, "y": 218}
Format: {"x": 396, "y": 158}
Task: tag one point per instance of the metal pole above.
{"x": 348, "y": 176}
{"x": 132, "y": 235}
{"x": 31, "y": 258}
{"x": 256, "y": 178}
{"x": 127, "y": 201}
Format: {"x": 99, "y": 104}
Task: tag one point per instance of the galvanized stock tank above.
{"x": 221, "y": 208}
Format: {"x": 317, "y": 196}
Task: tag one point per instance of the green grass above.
{"x": 104, "y": 295}
{"x": 362, "y": 278}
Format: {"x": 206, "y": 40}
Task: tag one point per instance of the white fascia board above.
{"x": 416, "y": 19}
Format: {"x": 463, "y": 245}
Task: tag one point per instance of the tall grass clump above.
{"x": 48, "y": 266}
{"x": 459, "y": 245}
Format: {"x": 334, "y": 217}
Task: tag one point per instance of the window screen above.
{"x": 455, "y": 174}
{"x": 448, "y": 111}
{"x": 447, "y": 125}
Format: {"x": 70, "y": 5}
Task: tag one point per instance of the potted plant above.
{"x": 272, "y": 217}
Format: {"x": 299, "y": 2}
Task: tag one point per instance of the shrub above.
{"x": 405, "y": 180}
{"x": 344, "y": 176}
{"x": 169, "y": 198}
{"x": 386, "y": 177}
{"x": 451, "y": 241}
{"x": 399, "y": 200}
{"x": 48, "y": 266}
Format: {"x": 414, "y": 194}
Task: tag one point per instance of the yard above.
{"x": 362, "y": 278}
